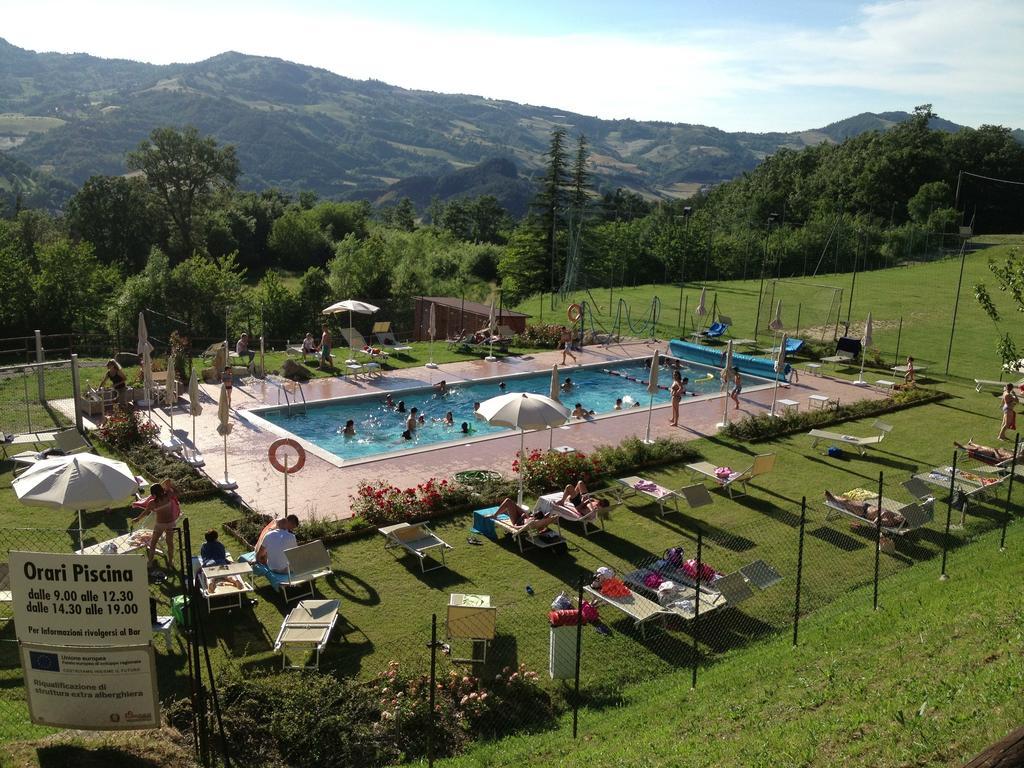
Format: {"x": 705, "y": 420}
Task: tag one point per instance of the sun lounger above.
{"x": 417, "y": 540}
{"x": 457, "y": 342}
{"x": 642, "y": 609}
{"x": 308, "y": 625}
{"x": 860, "y": 443}
{"x": 762, "y": 465}
{"x": 548, "y": 505}
{"x": 386, "y": 338}
{"x": 716, "y": 329}
{"x": 650, "y": 489}
{"x": 306, "y": 563}
{"x": 68, "y": 441}
{"x": 913, "y": 515}
{"x": 31, "y": 438}
{"x": 971, "y": 484}
{"x": 997, "y": 386}
{"x": 534, "y": 532}
{"x": 1003, "y": 464}
{"x": 225, "y": 581}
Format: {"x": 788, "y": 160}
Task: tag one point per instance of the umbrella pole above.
{"x": 650, "y": 411}
{"x": 860, "y": 379}
{"x": 775, "y": 392}
{"x": 81, "y": 534}
{"x": 286, "y": 485}
{"x": 522, "y": 462}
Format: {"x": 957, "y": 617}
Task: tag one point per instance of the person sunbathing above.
{"x": 869, "y": 512}
{"x": 521, "y": 519}
{"x": 577, "y": 499}
{"x": 984, "y": 452}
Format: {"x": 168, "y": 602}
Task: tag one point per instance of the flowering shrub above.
{"x": 124, "y": 429}
{"x": 545, "y": 471}
{"x": 380, "y": 502}
{"x": 539, "y": 336}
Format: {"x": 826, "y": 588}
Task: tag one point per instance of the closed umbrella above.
{"x": 553, "y": 393}
{"x": 865, "y": 342}
{"x": 652, "y": 389}
{"x": 351, "y": 306}
{"x": 491, "y": 329}
{"x": 170, "y": 400}
{"x": 702, "y": 309}
{"x": 432, "y": 330}
{"x": 83, "y": 481}
{"x": 196, "y": 409}
{"x": 224, "y": 429}
{"x": 780, "y": 369}
{"x": 220, "y": 361}
{"x": 145, "y": 349}
{"x": 776, "y": 324}
{"x": 726, "y": 367}
{"x": 523, "y": 411}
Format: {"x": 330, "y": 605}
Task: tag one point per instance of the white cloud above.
{"x": 963, "y": 57}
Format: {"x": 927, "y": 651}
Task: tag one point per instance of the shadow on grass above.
{"x": 351, "y": 588}
{"x": 836, "y": 538}
{"x": 62, "y": 755}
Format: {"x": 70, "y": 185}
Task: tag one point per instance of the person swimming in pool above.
{"x": 401, "y": 406}
{"x": 449, "y": 419}
{"x": 350, "y": 429}
{"x": 466, "y": 429}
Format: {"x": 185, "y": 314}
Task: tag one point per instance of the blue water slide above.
{"x": 715, "y": 356}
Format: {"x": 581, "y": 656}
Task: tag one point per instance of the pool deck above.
{"x": 323, "y": 489}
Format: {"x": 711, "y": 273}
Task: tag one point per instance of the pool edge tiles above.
{"x": 255, "y": 418}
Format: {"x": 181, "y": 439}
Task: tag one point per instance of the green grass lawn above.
{"x": 387, "y": 604}
{"x": 922, "y": 295}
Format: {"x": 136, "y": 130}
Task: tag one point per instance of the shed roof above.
{"x": 474, "y": 307}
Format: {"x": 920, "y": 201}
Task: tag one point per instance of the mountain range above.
{"x": 65, "y": 117}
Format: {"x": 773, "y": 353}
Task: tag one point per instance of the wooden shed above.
{"x": 452, "y": 315}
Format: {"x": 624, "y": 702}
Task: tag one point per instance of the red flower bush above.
{"x": 546, "y": 471}
{"x": 380, "y": 502}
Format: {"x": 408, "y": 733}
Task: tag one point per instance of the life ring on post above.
{"x": 277, "y": 455}
{"x": 574, "y": 313}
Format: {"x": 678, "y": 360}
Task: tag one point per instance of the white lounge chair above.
{"x": 535, "y": 531}
{"x": 308, "y": 625}
{"x": 762, "y": 465}
{"x": 306, "y": 563}
{"x": 386, "y": 338}
{"x": 860, "y": 443}
{"x": 225, "y": 581}
{"x": 417, "y": 540}
{"x": 69, "y": 441}
{"x": 642, "y": 609}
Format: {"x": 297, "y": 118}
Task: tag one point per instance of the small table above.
{"x": 209, "y": 575}
{"x": 471, "y": 617}
{"x": 564, "y": 449}
{"x": 788, "y": 405}
{"x": 120, "y": 545}
{"x": 813, "y": 368}
{"x": 885, "y": 384}
{"x": 821, "y": 402}
{"x": 164, "y": 626}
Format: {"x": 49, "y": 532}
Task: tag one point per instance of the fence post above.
{"x": 40, "y": 373}
{"x": 798, "y": 308}
{"x": 579, "y": 641}
{"x": 949, "y": 518}
{"x": 799, "y": 568}
{"x": 75, "y": 389}
{"x": 899, "y": 335}
{"x": 433, "y": 689}
{"x": 192, "y": 612}
{"x": 696, "y": 608}
{"x": 1009, "y": 491}
{"x": 878, "y": 539}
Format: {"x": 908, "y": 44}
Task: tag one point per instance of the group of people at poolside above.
{"x": 576, "y": 500}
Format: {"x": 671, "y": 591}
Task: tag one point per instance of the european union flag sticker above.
{"x": 46, "y": 662}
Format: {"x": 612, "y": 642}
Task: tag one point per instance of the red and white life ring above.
{"x": 574, "y": 313}
{"x": 277, "y": 455}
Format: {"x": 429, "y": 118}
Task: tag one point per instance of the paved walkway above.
{"x": 323, "y": 488}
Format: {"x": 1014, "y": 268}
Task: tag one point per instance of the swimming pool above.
{"x": 379, "y": 428}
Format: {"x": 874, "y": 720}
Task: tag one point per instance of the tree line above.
{"x": 177, "y": 237}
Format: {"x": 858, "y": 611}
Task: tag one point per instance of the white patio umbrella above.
{"x": 145, "y": 349}
{"x": 224, "y": 427}
{"x": 171, "y": 400}
{"x": 490, "y": 333}
{"x": 652, "y": 389}
{"x": 865, "y": 342}
{"x": 776, "y": 324}
{"x": 523, "y": 411}
{"x": 553, "y": 393}
{"x": 726, "y": 367}
{"x": 351, "y": 306}
{"x": 432, "y": 330}
{"x": 196, "y": 409}
{"x": 83, "y": 481}
{"x": 780, "y": 366}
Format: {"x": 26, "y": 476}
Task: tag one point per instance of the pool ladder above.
{"x": 291, "y": 402}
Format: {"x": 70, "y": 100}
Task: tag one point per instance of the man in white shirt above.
{"x": 279, "y": 543}
{"x": 274, "y": 544}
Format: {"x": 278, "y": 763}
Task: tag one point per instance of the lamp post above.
{"x": 687, "y": 211}
{"x": 771, "y": 218}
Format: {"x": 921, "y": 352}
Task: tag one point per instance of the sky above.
{"x": 734, "y": 64}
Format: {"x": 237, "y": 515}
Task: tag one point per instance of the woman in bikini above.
{"x": 1009, "y": 414}
{"x": 676, "y": 392}
{"x": 163, "y": 502}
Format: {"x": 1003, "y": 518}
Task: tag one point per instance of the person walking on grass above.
{"x": 1009, "y": 401}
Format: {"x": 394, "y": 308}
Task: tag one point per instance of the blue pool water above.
{"x": 379, "y": 429}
